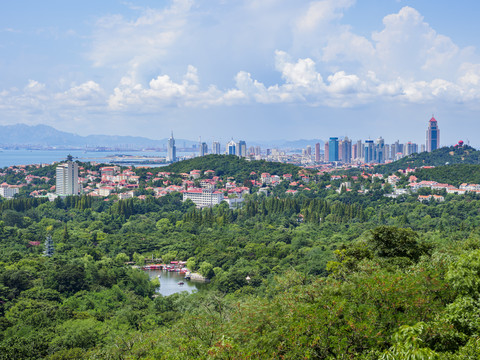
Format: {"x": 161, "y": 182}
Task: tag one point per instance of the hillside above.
{"x": 231, "y": 165}
{"x": 443, "y": 156}
{"x": 454, "y": 174}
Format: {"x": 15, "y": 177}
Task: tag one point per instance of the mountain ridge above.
{"x": 45, "y": 135}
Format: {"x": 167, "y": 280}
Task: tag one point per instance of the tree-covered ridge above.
{"x": 321, "y": 274}
{"x": 454, "y": 174}
{"x": 234, "y": 166}
{"x": 446, "y": 155}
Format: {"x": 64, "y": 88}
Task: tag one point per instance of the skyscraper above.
{"x": 171, "y": 150}
{"x": 368, "y": 152}
{"x": 360, "y": 149}
{"x": 309, "y": 150}
{"x": 433, "y": 135}
{"x": 326, "y": 154}
{"x": 203, "y": 149}
{"x": 67, "y": 179}
{"x": 346, "y": 153}
{"x": 333, "y": 149}
{"x": 216, "y": 148}
{"x": 380, "y": 150}
{"x": 317, "y": 152}
{"x": 231, "y": 148}
{"x": 242, "y": 148}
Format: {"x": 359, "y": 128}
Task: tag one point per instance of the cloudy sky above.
{"x": 250, "y": 69}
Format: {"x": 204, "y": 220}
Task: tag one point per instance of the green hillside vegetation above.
{"x": 446, "y": 155}
{"x": 455, "y": 174}
{"x": 318, "y": 275}
{"x": 234, "y": 166}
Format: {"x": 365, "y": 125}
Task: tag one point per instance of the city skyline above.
{"x": 293, "y": 70}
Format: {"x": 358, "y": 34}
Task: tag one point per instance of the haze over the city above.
{"x": 269, "y": 69}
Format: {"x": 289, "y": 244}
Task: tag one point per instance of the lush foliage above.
{"x": 319, "y": 275}
{"x": 452, "y": 174}
{"x": 234, "y": 166}
{"x": 446, "y": 155}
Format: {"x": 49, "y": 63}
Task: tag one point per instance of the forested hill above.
{"x": 446, "y": 155}
{"x": 454, "y": 174}
{"x": 231, "y": 165}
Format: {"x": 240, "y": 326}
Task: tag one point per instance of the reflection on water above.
{"x": 169, "y": 282}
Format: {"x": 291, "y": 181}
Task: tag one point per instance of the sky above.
{"x": 243, "y": 69}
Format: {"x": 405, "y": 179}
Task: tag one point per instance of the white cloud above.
{"x": 320, "y": 13}
{"x": 406, "y": 62}
{"x": 34, "y": 86}
{"x": 87, "y": 94}
{"x": 132, "y": 43}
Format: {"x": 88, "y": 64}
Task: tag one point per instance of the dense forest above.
{"x": 452, "y": 174}
{"x": 444, "y": 156}
{"x": 233, "y": 166}
{"x": 323, "y": 274}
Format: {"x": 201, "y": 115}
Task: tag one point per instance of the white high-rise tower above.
{"x": 67, "y": 178}
{"x": 171, "y": 150}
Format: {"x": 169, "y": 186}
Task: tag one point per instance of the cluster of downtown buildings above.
{"x": 370, "y": 151}
{"x": 232, "y": 148}
{"x": 335, "y": 150}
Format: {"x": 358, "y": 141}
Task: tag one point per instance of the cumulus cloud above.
{"x": 320, "y": 13}
{"x": 132, "y": 43}
{"x": 406, "y": 61}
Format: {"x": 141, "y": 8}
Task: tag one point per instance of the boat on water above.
{"x": 181, "y": 283}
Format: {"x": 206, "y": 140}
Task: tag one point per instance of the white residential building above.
{"x": 67, "y": 179}
{"x": 203, "y": 197}
{"x": 7, "y": 191}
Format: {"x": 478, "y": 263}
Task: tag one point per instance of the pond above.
{"x": 169, "y": 282}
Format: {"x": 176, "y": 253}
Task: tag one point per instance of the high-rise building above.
{"x": 410, "y": 148}
{"x": 345, "y": 151}
{"x": 333, "y": 149}
{"x": 317, "y": 152}
{"x": 203, "y": 149}
{"x": 67, "y": 179}
{"x": 171, "y": 150}
{"x": 231, "y": 148}
{"x": 379, "y": 156}
{"x": 216, "y": 148}
{"x": 433, "y": 135}
{"x": 309, "y": 150}
{"x": 387, "y": 152}
{"x": 326, "y": 154}
{"x": 258, "y": 150}
{"x": 359, "y": 155}
{"x": 242, "y": 148}
{"x": 368, "y": 152}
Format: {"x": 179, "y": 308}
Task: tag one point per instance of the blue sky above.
{"x": 250, "y": 69}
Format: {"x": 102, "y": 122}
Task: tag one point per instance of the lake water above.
{"x": 27, "y": 157}
{"x": 169, "y": 282}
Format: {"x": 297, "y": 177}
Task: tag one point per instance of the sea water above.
{"x": 27, "y": 157}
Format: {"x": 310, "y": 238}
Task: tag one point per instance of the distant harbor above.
{"x": 141, "y": 157}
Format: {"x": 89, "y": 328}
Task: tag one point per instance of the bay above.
{"x": 28, "y": 157}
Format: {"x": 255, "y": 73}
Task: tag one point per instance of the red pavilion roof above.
{"x": 433, "y": 119}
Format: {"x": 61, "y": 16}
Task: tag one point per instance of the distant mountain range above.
{"x": 44, "y": 136}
